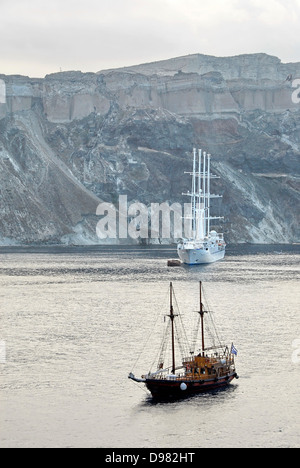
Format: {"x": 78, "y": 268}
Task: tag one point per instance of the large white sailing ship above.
{"x": 204, "y": 245}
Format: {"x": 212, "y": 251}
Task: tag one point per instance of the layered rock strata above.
{"x": 72, "y": 140}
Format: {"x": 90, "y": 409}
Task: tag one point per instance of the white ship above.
{"x": 205, "y": 245}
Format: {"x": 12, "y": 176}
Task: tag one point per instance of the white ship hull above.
{"x": 192, "y": 255}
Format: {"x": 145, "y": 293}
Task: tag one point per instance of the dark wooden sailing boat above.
{"x": 212, "y": 368}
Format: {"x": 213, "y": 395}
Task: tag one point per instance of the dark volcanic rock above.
{"x": 72, "y": 140}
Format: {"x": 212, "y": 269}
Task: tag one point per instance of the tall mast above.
{"x": 208, "y": 193}
{"x": 202, "y": 319}
{"x": 204, "y": 192}
{"x": 194, "y": 197}
{"x": 172, "y": 316}
{"x": 199, "y": 217}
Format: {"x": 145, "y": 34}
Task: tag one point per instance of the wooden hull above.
{"x": 169, "y": 389}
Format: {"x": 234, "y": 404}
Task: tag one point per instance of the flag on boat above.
{"x": 234, "y": 350}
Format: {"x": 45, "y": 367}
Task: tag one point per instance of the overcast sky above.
{"x": 39, "y": 37}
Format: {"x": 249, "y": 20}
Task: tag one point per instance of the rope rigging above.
{"x": 182, "y": 345}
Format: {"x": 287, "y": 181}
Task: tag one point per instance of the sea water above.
{"x": 75, "y": 321}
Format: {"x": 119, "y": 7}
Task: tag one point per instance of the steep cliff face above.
{"x": 72, "y": 140}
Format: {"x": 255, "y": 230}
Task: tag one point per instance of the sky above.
{"x": 38, "y": 37}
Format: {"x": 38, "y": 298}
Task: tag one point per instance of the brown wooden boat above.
{"x": 211, "y": 368}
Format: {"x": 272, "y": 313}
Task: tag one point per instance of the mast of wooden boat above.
{"x": 202, "y": 319}
{"x": 172, "y": 317}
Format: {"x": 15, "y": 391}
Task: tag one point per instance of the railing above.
{"x": 198, "y": 368}
{"x": 218, "y": 371}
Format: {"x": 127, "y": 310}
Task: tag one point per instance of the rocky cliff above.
{"x": 72, "y": 140}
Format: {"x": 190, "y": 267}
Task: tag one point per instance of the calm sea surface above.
{"x": 74, "y": 322}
